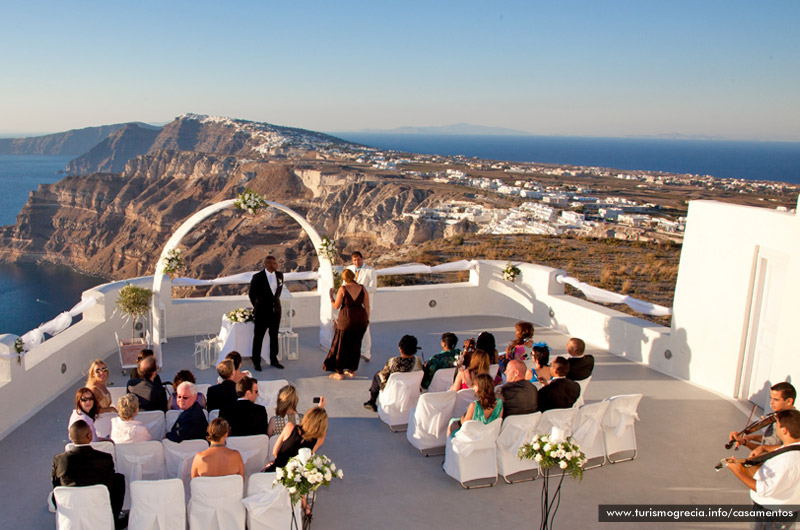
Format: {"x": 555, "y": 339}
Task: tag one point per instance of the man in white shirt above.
{"x": 776, "y": 481}
{"x": 365, "y": 275}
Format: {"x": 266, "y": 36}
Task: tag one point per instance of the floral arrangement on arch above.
{"x": 242, "y": 314}
{"x": 327, "y": 249}
{"x": 305, "y": 473}
{"x": 511, "y": 272}
{"x": 173, "y": 261}
{"x": 250, "y": 201}
{"x": 548, "y": 451}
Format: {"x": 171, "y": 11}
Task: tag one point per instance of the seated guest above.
{"x": 180, "y": 377}
{"x": 559, "y": 392}
{"x": 217, "y": 460}
{"x": 83, "y": 465}
{"x": 478, "y": 364}
{"x": 541, "y": 364}
{"x": 485, "y": 409}
{"x": 406, "y": 362}
{"x": 152, "y": 395}
{"x": 485, "y": 342}
{"x": 192, "y": 422}
{"x": 85, "y": 409}
{"x": 580, "y": 365}
{"x": 96, "y": 380}
{"x": 244, "y": 416}
{"x": 516, "y": 348}
{"x": 125, "y": 428}
{"x": 518, "y": 394}
{"x": 147, "y": 352}
{"x": 310, "y": 433}
{"x": 224, "y": 393}
{"x": 445, "y": 359}
{"x": 285, "y": 411}
{"x": 236, "y": 357}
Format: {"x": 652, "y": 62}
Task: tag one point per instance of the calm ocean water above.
{"x": 778, "y": 161}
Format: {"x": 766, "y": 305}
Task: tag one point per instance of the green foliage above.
{"x": 134, "y": 301}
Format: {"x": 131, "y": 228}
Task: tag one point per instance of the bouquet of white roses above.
{"x": 305, "y": 473}
{"x": 250, "y": 201}
{"x": 327, "y": 248}
{"x": 511, "y": 272}
{"x": 240, "y": 315}
{"x": 173, "y": 261}
{"x": 549, "y": 452}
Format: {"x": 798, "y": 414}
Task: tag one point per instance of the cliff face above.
{"x": 113, "y": 152}
{"x": 74, "y": 142}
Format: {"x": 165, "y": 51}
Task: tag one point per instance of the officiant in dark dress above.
{"x": 265, "y": 295}
{"x": 352, "y": 300}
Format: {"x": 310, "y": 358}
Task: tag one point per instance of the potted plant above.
{"x": 133, "y": 301}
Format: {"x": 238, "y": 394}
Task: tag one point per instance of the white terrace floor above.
{"x": 388, "y": 484}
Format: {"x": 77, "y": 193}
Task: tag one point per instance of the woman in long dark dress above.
{"x": 353, "y": 302}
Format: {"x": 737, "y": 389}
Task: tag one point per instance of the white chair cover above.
{"x": 154, "y": 421}
{"x": 557, "y": 420}
{"x": 427, "y": 422}
{"x": 493, "y": 369}
{"x": 516, "y": 430}
{"x": 106, "y": 447}
{"x": 178, "y": 459}
{"x": 588, "y": 429}
{"x": 139, "y": 461}
{"x": 268, "y": 392}
{"x": 471, "y": 454}
{"x": 83, "y": 508}
{"x": 116, "y": 393}
{"x": 102, "y": 424}
{"x": 463, "y": 398}
{"x": 618, "y": 424}
{"x": 217, "y": 503}
{"x": 268, "y": 507}
{"x": 398, "y": 397}
{"x": 202, "y": 388}
{"x": 213, "y": 415}
{"x": 272, "y": 441}
{"x": 157, "y": 505}
{"x": 254, "y": 450}
{"x": 442, "y": 380}
{"x": 584, "y": 384}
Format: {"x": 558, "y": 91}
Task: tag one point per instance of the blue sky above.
{"x": 586, "y": 68}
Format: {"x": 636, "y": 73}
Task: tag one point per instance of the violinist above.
{"x": 777, "y": 480}
{"x": 781, "y": 397}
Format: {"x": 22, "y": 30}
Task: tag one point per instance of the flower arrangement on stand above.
{"x": 250, "y": 201}
{"x": 511, "y": 272}
{"x": 242, "y": 314}
{"x": 553, "y": 451}
{"x": 173, "y": 261}
{"x": 303, "y": 476}
{"x": 19, "y": 347}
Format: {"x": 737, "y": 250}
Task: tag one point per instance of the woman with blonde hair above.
{"x": 310, "y": 433}
{"x": 479, "y": 363}
{"x": 217, "y": 460}
{"x": 96, "y": 380}
{"x": 125, "y": 428}
{"x": 352, "y": 300}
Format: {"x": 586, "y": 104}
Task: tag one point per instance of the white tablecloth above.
{"x": 238, "y": 336}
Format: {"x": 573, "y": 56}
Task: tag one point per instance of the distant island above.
{"x": 454, "y": 129}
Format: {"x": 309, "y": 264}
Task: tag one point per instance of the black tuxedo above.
{"x": 560, "y": 393}
{"x": 221, "y": 395}
{"x": 151, "y": 394}
{"x": 84, "y": 465}
{"x": 245, "y": 418}
{"x": 266, "y": 314}
{"x": 580, "y": 367}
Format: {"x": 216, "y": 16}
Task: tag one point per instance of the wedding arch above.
{"x": 324, "y": 280}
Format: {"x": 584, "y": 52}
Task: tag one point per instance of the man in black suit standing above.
{"x": 83, "y": 465}
{"x": 265, "y": 295}
{"x": 245, "y": 416}
{"x": 560, "y": 392}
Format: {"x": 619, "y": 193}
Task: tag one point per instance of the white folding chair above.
{"x": 102, "y": 424}
{"x": 588, "y": 433}
{"x": 471, "y": 455}
{"x": 557, "y": 422}
{"x": 154, "y": 421}
{"x": 516, "y": 430}
{"x": 157, "y": 505}
{"x": 213, "y": 415}
{"x": 427, "y": 422}
{"x": 272, "y": 441}
{"x": 254, "y": 450}
{"x": 584, "y": 384}
{"x": 398, "y": 397}
{"x": 268, "y": 392}
{"x": 442, "y": 380}
{"x": 106, "y": 447}
{"x": 464, "y": 397}
{"x": 217, "y": 503}
{"x": 178, "y": 459}
{"x": 268, "y": 507}
{"x": 139, "y": 461}
{"x": 619, "y": 433}
{"x": 493, "y": 369}
{"x": 172, "y": 416}
{"x": 116, "y": 393}
{"x": 83, "y": 508}
{"x": 202, "y": 388}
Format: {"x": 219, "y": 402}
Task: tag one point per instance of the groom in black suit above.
{"x": 265, "y": 295}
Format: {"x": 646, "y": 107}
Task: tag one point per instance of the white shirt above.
{"x": 366, "y": 276}
{"x": 272, "y": 278}
{"x": 778, "y": 480}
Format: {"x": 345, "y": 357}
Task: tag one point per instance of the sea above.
{"x": 34, "y": 293}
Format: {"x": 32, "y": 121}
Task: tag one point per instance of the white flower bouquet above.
{"x": 305, "y": 473}
{"x": 327, "y": 249}
{"x": 240, "y": 315}
{"x": 173, "y": 261}
{"x": 549, "y": 452}
{"x": 511, "y": 272}
{"x": 250, "y": 201}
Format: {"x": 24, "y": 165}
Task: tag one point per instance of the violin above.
{"x": 769, "y": 419}
{"x": 754, "y": 461}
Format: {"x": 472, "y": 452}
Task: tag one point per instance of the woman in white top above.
{"x": 85, "y": 409}
{"x": 125, "y": 429}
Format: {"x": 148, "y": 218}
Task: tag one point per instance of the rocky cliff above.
{"x": 113, "y": 152}
{"x": 74, "y": 142}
